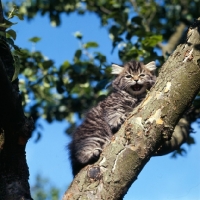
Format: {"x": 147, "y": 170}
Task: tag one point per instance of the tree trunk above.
{"x": 15, "y": 130}
{"x": 147, "y": 128}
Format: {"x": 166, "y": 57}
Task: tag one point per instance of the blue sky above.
{"x": 163, "y": 178}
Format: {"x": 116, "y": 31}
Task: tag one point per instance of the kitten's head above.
{"x": 134, "y": 77}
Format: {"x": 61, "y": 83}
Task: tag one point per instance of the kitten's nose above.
{"x": 135, "y": 78}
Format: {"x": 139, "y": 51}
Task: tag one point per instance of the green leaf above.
{"x": 78, "y": 35}
{"x": 59, "y": 86}
{"x": 152, "y": 40}
{"x": 64, "y": 66}
{"x": 10, "y": 41}
{"x": 47, "y": 64}
{"x": 15, "y": 12}
{"x": 11, "y": 33}
{"x": 20, "y": 16}
{"x": 137, "y": 20}
{"x": 17, "y": 67}
{"x": 6, "y": 24}
{"x": 100, "y": 57}
{"x": 90, "y": 45}
{"x": 11, "y": 14}
{"x": 102, "y": 84}
{"x": 78, "y": 54}
{"x": 79, "y": 69}
{"x": 35, "y": 39}
{"x": 18, "y": 50}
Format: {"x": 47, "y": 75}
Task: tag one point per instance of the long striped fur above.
{"x": 101, "y": 122}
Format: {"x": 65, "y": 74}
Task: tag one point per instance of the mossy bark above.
{"x": 149, "y": 125}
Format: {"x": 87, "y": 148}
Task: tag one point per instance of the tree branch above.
{"x": 180, "y": 135}
{"x": 15, "y": 130}
{"x": 173, "y": 40}
{"x": 146, "y": 20}
{"x": 149, "y": 125}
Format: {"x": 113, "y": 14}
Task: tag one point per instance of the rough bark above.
{"x": 182, "y": 133}
{"x": 15, "y": 129}
{"x": 180, "y": 136}
{"x": 149, "y": 125}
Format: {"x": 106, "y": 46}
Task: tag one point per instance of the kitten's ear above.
{"x": 116, "y": 69}
{"x": 151, "y": 66}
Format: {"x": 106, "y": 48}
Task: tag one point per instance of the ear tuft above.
{"x": 116, "y": 69}
{"x": 151, "y": 66}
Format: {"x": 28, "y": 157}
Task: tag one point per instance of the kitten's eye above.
{"x": 142, "y": 75}
{"x": 128, "y": 76}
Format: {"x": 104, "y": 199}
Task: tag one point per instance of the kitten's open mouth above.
{"x": 136, "y": 87}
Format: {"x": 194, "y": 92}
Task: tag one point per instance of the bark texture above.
{"x": 15, "y": 129}
{"x": 148, "y": 127}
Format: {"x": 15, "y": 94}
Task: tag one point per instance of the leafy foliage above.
{"x": 43, "y": 190}
{"x": 7, "y": 38}
{"x": 61, "y": 92}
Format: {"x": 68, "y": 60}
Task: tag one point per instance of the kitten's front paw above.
{"x": 116, "y": 122}
{"x": 96, "y": 153}
{"x": 89, "y": 156}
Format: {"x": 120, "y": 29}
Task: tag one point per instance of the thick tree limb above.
{"x": 15, "y": 129}
{"x": 150, "y": 124}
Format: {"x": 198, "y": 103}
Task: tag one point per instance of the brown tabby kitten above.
{"x": 101, "y": 122}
